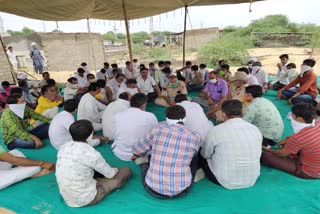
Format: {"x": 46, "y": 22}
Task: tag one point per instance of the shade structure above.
{"x": 70, "y": 10}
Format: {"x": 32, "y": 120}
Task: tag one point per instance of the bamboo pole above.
{"x": 14, "y": 75}
{"x": 90, "y": 44}
{"x": 128, "y": 32}
{"x": 184, "y": 36}
{"x": 314, "y": 45}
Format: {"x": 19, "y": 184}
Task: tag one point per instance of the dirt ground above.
{"x": 268, "y": 57}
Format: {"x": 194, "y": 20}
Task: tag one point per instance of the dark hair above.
{"x": 71, "y": 79}
{"x": 5, "y": 83}
{"x": 309, "y": 62}
{"x": 232, "y": 108}
{"x": 44, "y": 73}
{"x": 120, "y": 75}
{"x": 128, "y": 62}
{"x": 84, "y": 64}
{"x": 220, "y": 61}
{"x": 124, "y": 96}
{"x": 93, "y": 87}
{"x": 114, "y": 65}
{"x": 143, "y": 69}
{"x": 81, "y": 70}
{"x": 106, "y": 64}
{"x": 194, "y": 68}
{"x": 22, "y": 83}
{"x": 131, "y": 81}
{"x": 9, "y": 47}
{"x": 175, "y": 112}
{"x": 45, "y": 88}
{"x": 134, "y": 60}
{"x": 284, "y": 56}
{"x": 151, "y": 63}
{"x": 115, "y": 71}
{"x": 257, "y": 63}
{"x": 51, "y": 82}
{"x": 188, "y": 63}
{"x": 81, "y": 130}
{"x": 202, "y": 65}
{"x": 180, "y": 97}
{"x": 16, "y": 90}
{"x": 161, "y": 63}
{"x": 254, "y": 90}
{"x": 225, "y": 66}
{"x": 166, "y": 70}
{"x": 244, "y": 69}
{"x": 291, "y": 65}
{"x": 70, "y": 105}
{"x": 142, "y": 65}
{"x": 102, "y": 83}
{"x": 138, "y": 100}
{"x": 304, "y": 110}
{"x": 90, "y": 75}
{"x": 13, "y": 98}
{"x": 168, "y": 62}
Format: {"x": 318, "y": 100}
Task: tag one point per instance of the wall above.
{"x": 5, "y": 68}
{"x": 197, "y": 38}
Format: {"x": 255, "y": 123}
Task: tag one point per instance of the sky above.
{"x": 306, "y": 11}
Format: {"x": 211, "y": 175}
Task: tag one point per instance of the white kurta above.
{"x": 109, "y": 114}
{"x": 130, "y": 126}
{"x": 13, "y": 60}
{"x": 146, "y": 86}
{"x": 114, "y": 87}
{"x": 75, "y": 168}
{"x": 129, "y": 74}
{"x": 82, "y": 81}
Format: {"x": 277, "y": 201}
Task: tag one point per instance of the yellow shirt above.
{"x": 44, "y": 104}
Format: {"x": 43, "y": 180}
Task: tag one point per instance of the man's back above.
{"x": 88, "y": 108}
{"x": 130, "y": 125}
{"x": 109, "y": 114}
{"x": 235, "y": 149}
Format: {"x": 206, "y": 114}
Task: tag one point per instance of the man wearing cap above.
{"x": 36, "y": 58}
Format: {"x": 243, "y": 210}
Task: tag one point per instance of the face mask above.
{"x": 297, "y": 126}
{"x": 90, "y": 137}
{"x": 255, "y": 69}
{"x": 91, "y": 80}
{"x": 250, "y": 66}
{"x": 174, "y": 85}
{"x": 18, "y": 109}
{"x": 222, "y": 72}
{"x": 213, "y": 81}
{"x": 304, "y": 68}
{"x": 173, "y": 122}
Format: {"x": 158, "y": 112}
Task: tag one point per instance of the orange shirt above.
{"x": 308, "y": 84}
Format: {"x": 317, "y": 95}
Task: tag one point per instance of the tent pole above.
{"x": 314, "y": 45}
{"x": 127, "y": 31}
{"x": 184, "y": 35}
{"x": 90, "y": 44}
{"x": 14, "y": 75}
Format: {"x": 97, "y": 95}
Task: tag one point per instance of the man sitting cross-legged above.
{"x": 231, "y": 152}
{"x": 173, "y": 161}
{"x": 300, "y": 155}
{"x": 15, "y": 167}
{"x": 59, "y": 127}
{"x": 15, "y": 131}
{"x": 130, "y": 125}
{"x": 84, "y": 177}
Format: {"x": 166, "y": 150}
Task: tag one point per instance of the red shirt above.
{"x": 308, "y": 84}
{"x": 307, "y": 144}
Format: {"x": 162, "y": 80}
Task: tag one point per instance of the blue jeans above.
{"x": 194, "y": 87}
{"x": 302, "y": 98}
{"x": 40, "y": 131}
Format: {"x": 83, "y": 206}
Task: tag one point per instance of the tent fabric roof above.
{"x": 70, "y": 10}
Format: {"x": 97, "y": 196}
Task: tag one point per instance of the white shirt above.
{"x": 114, "y": 87}
{"x": 131, "y": 91}
{"x": 59, "y": 129}
{"x": 75, "y": 168}
{"x": 261, "y": 76}
{"x": 82, "y": 81}
{"x": 90, "y": 109}
{"x": 146, "y": 86}
{"x": 69, "y": 93}
{"x": 130, "y": 75}
{"x": 12, "y": 57}
{"x": 233, "y": 151}
{"x": 281, "y": 77}
{"x": 130, "y": 126}
{"x": 196, "y": 120}
{"x": 108, "y": 115}
{"x": 102, "y": 76}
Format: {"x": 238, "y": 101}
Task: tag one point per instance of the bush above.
{"x": 152, "y": 53}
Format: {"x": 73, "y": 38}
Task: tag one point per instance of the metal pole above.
{"x": 184, "y": 36}
{"x": 90, "y": 43}
{"x": 127, "y": 31}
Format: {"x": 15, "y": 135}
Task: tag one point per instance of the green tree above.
{"x": 140, "y": 37}
{"x": 121, "y": 36}
{"x": 109, "y": 36}
{"x": 24, "y": 31}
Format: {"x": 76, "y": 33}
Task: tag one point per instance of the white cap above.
{"x": 22, "y": 76}
{"x": 252, "y": 59}
{"x": 33, "y": 44}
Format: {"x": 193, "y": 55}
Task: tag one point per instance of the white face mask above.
{"x": 297, "y": 126}
{"x": 173, "y": 122}
{"x": 250, "y": 66}
{"x": 255, "y": 69}
{"x": 291, "y": 70}
{"x": 304, "y": 68}
{"x": 90, "y": 137}
{"x": 18, "y": 109}
{"x": 213, "y": 81}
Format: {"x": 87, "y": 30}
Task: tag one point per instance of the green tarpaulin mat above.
{"x": 274, "y": 192}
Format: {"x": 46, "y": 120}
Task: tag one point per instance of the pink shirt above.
{"x": 252, "y": 80}
{"x": 3, "y": 96}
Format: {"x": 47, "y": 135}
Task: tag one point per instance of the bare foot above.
{"x": 42, "y": 173}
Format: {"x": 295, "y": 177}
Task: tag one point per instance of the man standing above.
{"x": 148, "y": 85}
{"x": 231, "y": 152}
{"x": 261, "y": 75}
{"x": 37, "y": 58}
{"x": 12, "y": 58}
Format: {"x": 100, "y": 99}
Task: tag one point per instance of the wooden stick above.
{"x": 314, "y": 45}
{"x": 128, "y": 32}
{"x": 14, "y": 75}
{"x": 184, "y": 36}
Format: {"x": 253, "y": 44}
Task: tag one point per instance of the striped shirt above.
{"x": 307, "y": 144}
{"x": 172, "y": 149}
